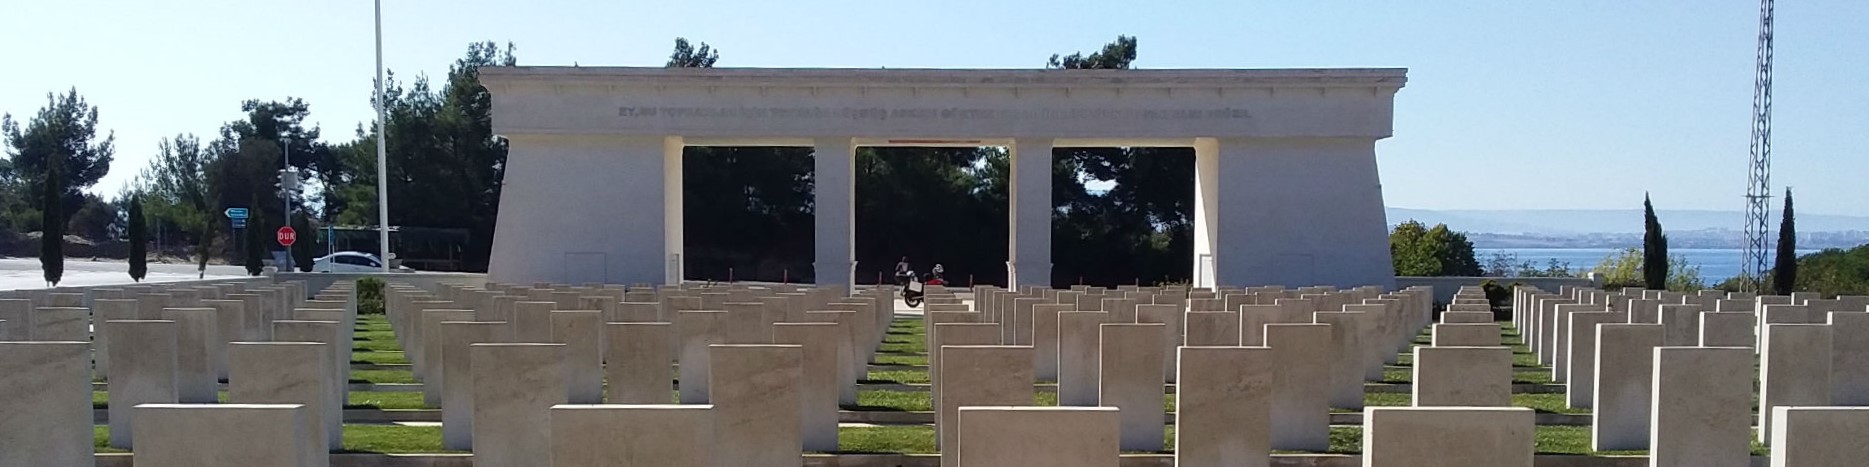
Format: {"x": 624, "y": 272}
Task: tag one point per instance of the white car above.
{"x": 348, "y": 261}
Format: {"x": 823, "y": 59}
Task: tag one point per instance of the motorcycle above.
{"x": 912, "y": 291}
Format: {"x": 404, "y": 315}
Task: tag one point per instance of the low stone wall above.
{"x": 38, "y": 294}
{"x": 929, "y": 460}
{"x": 1444, "y": 287}
{"x": 316, "y": 281}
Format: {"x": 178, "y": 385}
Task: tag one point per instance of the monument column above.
{"x": 835, "y": 192}
{"x": 1206, "y": 210}
{"x": 1293, "y": 211}
{"x": 588, "y": 208}
{"x": 1030, "y": 211}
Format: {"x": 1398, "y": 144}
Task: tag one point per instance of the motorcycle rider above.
{"x": 902, "y": 271}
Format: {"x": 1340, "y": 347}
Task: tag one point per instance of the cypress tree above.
{"x": 52, "y": 221}
{"x": 302, "y": 249}
{"x": 1785, "y": 266}
{"x": 1654, "y": 249}
{"x": 139, "y": 241}
{"x": 256, "y": 244}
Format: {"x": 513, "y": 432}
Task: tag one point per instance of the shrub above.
{"x": 369, "y": 296}
{"x": 1499, "y": 296}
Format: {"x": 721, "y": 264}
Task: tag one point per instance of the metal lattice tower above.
{"x": 1759, "y": 184}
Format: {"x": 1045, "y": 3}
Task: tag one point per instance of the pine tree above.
{"x": 139, "y": 241}
{"x": 1785, "y": 266}
{"x": 52, "y": 221}
{"x": 1654, "y": 249}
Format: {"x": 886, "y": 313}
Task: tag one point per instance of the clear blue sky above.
{"x": 1572, "y": 104}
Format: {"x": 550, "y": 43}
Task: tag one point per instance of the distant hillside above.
{"x": 1569, "y": 222}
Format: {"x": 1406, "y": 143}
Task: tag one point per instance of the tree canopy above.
{"x": 64, "y": 132}
{"x": 1421, "y": 251}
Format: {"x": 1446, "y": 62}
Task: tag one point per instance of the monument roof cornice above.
{"x": 1393, "y": 78}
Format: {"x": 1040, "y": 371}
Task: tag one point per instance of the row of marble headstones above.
{"x": 1247, "y": 381}
{"x": 163, "y": 351}
{"x": 762, "y": 369}
{"x": 1669, "y": 373}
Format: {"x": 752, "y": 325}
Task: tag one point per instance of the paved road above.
{"x": 24, "y": 273}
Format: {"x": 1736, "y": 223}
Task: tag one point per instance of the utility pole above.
{"x": 287, "y": 181}
{"x": 382, "y": 148}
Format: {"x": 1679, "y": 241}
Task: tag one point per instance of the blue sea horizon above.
{"x": 1716, "y": 264}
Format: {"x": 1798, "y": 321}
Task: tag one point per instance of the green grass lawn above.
{"x": 388, "y": 439}
{"x": 904, "y": 345}
{"x": 910, "y": 439}
{"x": 386, "y": 400}
{"x": 382, "y": 376}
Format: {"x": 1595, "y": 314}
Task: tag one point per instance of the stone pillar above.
{"x": 230, "y": 316}
{"x": 1079, "y": 341}
{"x": 1849, "y": 358}
{"x": 698, "y": 330}
{"x": 432, "y": 348}
{"x": 1169, "y": 316}
{"x": 818, "y": 391}
{"x": 288, "y": 373}
{"x": 195, "y": 340}
{"x": 1727, "y": 329}
{"x": 835, "y": 191}
{"x": 515, "y": 384}
{"x": 1703, "y": 397}
{"x": 45, "y": 415}
{"x": 1257, "y": 214}
{"x": 1029, "y": 209}
{"x": 1448, "y": 437}
{"x": 757, "y": 404}
{"x": 1462, "y": 377}
{"x": 1223, "y": 406}
{"x": 255, "y": 324}
{"x": 1346, "y": 366}
{"x": 18, "y": 312}
{"x": 1045, "y": 340}
{"x": 225, "y": 435}
{"x": 149, "y": 305}
{"x": 848, "y": 350}
{"x": 607, "y": 435}
{"x": 325, "y": 332}
{"x": 1794, "y": 370}
{"x": 637, "y": 357}
{"x": 104, "y": 311}
{"x": 1039, "y": 436}
{"x": 1130, "y": 379}
{"x": 1681, "y": 324}
{"x": 1466, "y": 335}
{"x": 978, "y": 376}
{"x": 1819, "y": 436}
{"x": 143, "y": 367}
{"x": 532, "y": 322}
{"x": 582, "y": 334}
{"x": 1580, "y": 357}
{"x": 1213, "y": 329}
{"x": 531, "y": 241}
{"x": 457, "y": 376}
{"x": 1302, "y": 355}
{"x": 1624, "y": 387}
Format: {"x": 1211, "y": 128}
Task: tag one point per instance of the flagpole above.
{"x": 382, "y": 148}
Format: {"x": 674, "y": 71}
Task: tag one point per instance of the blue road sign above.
{"x": 236, "y": 213}
{"x": 240, "y": 222}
